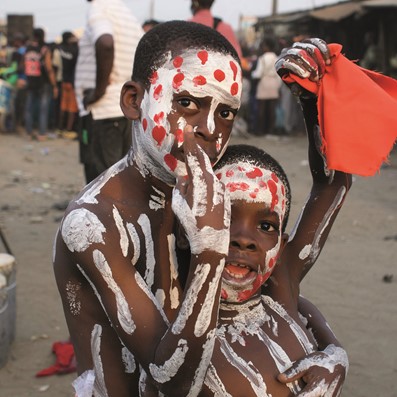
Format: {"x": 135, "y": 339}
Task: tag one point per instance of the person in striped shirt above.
{"x": 106, "y": 55}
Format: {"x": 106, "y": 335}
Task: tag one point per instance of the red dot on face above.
{"x": 144, "y": 124}
{"x": 203, "y": 56}
{"x": 229, "y": 173}
{"x": 233, "y": 66}
{"x": 234, "y": 89}
{"x": 157, "y": 92}
{"x": 219, "y": 75}
{"x": 234, "y": 186}
{"x": 178, "y": 80}
{"x": 274, "y": 177}
{"x": 171, "y": 161}
{"x": 154, "y": 77}
{"x": 262, "y": 184}
{"x": 255, "y": 173}
{"x": 178, "y": 61}
{"x": 253, "y": 194}
{"x": 273, "y": 190}
{"x": 219, "y": 175}
{"x": 179, "y": 135}
{"x": 158, "y": 134}
{"x": 199, "y": 80}
{"x": 158, "y": 117}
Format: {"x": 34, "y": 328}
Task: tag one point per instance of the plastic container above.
{"x": 7, "y": 305}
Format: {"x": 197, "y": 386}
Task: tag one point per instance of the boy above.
{"x": 114, "y": 255}
{"x": 259, "y": 336}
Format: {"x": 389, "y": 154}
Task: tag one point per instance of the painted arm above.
{"x": 104, "y": 55}
{"x": 203, "y": 211}
{"x": 307, "y": 60}
{"x": 323, "y": 371}
{"x": 329, "y": 188}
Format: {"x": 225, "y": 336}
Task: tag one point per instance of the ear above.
{"x": 131, "y": 98}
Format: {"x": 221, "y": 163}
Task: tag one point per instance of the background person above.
{"x": 104, "y": 64}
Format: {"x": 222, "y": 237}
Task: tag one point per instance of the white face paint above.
{"x": 202, "y": 74}
{"x": 252, "y": 184}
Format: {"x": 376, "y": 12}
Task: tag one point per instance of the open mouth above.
{"x": 238, "y": 274}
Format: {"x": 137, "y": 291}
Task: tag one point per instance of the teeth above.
{"x": 234, "y": 275}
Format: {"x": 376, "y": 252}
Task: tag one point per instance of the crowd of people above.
{"x": 42, "y": 77}
{"x": 177, "y": 278}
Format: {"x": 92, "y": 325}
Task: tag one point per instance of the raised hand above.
{"x": 200, "y": 201}
{"x": 323, "y": 372}
{"x": 307, "y": 59}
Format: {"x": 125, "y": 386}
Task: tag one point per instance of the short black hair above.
{"x": 39, "y": 34}
{"x": 259, "y": 158}
{"x": 205, "y": 3}
{"x": 175, "y": 37}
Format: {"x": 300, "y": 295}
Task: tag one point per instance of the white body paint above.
{"x": 174, "y": 292}
{"x": 80, "y": 229}
{"x": 94, "y": 188}
{"x": 169, "y": 369}
{"x": 123, "y": 310}
{"x": 135, "y": 242}
{"x": 72, "y": 290}
{"x": 99, "y": 384}
{"x": 128, "y": 361}
{"x": 144, "y": 223}
{"x": 124, "y": 243}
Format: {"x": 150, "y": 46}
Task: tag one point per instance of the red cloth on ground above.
{"x": 65, "y": 360}
{"x": 357, "y": 111}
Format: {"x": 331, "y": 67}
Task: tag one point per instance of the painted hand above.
{"x": 200, "y": 201}
{"x": 323, "y": 372}
{"x": 306, "y": 59}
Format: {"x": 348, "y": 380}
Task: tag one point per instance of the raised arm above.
{"x": 308, "y": 60}
{"x": 203, "y": 211}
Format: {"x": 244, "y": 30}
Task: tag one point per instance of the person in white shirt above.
{"x": 106, "y": 55}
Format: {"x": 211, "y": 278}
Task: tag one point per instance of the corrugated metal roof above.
{"x": 379, "y": 3}
{"x": 336, "y": 12}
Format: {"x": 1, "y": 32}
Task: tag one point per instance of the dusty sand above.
{"x": 347, "y": 282}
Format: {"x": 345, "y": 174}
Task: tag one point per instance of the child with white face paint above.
{"x": 260, "y": 330}
{"x": 129, "y": 311}
{"x": 115, "y": 256}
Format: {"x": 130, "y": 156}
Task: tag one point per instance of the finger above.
{"x": 182, "y": 184}
{"x": 319, "y": 50}
{"x": 295, "y": 372}
{"x": 289, "y": 64}
{"x": 316, "y": 390}
{"x": 299, "y": 62}
{"x": 324, "y": 49}
{"x": 315, "y": 53}
{"x": 304, "y": 54}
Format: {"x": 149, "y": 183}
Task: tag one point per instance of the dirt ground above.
{"x": 352, "y": 283}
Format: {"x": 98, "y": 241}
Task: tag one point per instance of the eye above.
{"x": 187, "y": 103}
{"x": 267, "y": 227}
{"x": 228, "y": 114}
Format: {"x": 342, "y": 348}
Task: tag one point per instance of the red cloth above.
{"x": 65, "y": 360}
{"x": 357, "y": 111}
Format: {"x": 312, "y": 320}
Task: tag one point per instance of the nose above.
{"x": 242, "y": 240}
{"x": 210, "y": 143}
